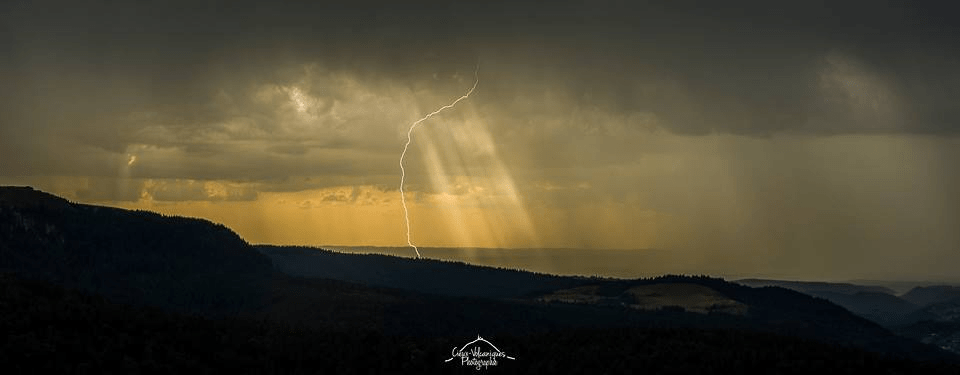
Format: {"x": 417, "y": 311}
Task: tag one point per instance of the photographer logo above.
{"x": 479, "y": 353}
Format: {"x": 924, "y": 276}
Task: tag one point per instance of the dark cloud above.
{"x": 743, "y": 67}
{"x": 771, "y": 128}
{"x": 204, "y": 77}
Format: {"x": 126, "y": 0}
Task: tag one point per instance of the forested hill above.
{"x": 422, "y": 275}
{"x": 729, "y": 305}
{"x": 194, "y": 266}
{"x": 130, "y": 256}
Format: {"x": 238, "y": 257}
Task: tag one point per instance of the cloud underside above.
{"x": 786, "y": 131}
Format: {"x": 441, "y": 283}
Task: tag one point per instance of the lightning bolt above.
{"x": 403, "y": 172}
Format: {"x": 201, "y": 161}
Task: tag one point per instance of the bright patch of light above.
{"x": 403, "y": 174}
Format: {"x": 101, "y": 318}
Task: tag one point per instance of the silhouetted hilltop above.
{"x": 929, "y": 314}
{"x": 26, "y": 196}
{"x": 876, "y": 303}
{"x": 198, "y": 267}
{"x": 131, "y": 256}
{"x": 423, "y": 275}
{"x": 818, "y": 286}
{"x": 882, "y": 308}
{"x": 926, "y": 295}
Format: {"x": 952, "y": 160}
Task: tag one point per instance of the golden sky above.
{"x": 785, "y": 140}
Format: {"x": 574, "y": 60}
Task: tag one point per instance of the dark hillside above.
{"x": 195, "y": 267}
{"x": 48, "y": 329}
{"x": 456, "y": 278}
{"x": 927, "y": 295}
{"x": 876, "y": 303}
{"x": 130, "y": 256}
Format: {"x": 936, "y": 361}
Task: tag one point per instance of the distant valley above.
{"x": 928, "y": 313}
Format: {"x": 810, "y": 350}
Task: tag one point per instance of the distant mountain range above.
{"x": 931, "y": 295}
{"x": 878, "y": 303}
{"x": 928, "y": 313}
{"x": 199, "y": 268}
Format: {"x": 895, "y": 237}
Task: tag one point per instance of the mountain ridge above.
{"x": 195, "y": 266}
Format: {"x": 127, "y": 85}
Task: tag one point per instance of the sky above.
{"x": 797, "y": 139}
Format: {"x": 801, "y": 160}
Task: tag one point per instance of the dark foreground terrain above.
{"x": 52, "y": 330}
{"x": 96, "y": 289}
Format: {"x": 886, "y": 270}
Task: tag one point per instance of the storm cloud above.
{"x": 783, "y": 133}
